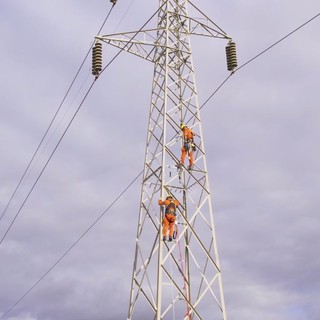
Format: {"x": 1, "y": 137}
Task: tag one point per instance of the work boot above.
{"x": 190, "y": 167}
{"x": 179, "y": 165}
{"x": 164, "y": 238}
{"x": 170, "y": 238}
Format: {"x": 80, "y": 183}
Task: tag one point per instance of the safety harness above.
{"x": 171, "y": 208}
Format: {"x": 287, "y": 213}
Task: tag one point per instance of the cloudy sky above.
{"x": 261, "y": 132}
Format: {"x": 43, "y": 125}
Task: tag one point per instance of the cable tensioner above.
{"x": 97, "y": 58}
{"x": 231, "y": 56}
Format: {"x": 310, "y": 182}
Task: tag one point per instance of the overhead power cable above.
{"x": 52, "y": 121}
{"x": 87, "y": 230}
{"x": 69, "y": 124}
{"x": 124, "y": 15}
{"x": 258, "y": 55}
{"x": 46, "y": 164}
{"x": 75, "y": 243}
{"x": 123, "y": 192}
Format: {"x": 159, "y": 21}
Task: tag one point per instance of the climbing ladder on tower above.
{"x": 179, "y": 279}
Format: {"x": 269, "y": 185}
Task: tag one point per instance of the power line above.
{"x": 258, "y": 55}
{"x": 215, "y": 91}
{"x": 70, "y": 122}
{"x": 44, "y": 136}
{"x": 51, "y": 123}
{"x": 123, "y": 192}
{"x": 283, "y": 38}
{"x": 46, "y": 164}
{"x": 124, "y": 15}
{"x": 74, "y": 244}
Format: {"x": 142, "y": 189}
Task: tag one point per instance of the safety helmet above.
{"x": 169, "y": 196}
{"x": 182, "y": 125}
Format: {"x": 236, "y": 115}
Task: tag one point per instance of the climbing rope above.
{"x": 183, "y": 274}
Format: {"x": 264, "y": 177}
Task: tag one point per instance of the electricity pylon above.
{"x": 179, "y": 279}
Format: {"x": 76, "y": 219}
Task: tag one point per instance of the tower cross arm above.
{"x": 207, "y": 28}
{"x": 143, "y": 43}
{"x": 140, "y": 43}
{"x": 202, "y": 25}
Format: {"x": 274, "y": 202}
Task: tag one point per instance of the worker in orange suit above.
{"x": 188, "y": 145}
{"x": 169, "y": 218}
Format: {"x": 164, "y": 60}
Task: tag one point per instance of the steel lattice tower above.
{"x": 179, "y": 279}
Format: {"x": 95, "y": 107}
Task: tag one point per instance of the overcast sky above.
{"x": 261, "y": 132}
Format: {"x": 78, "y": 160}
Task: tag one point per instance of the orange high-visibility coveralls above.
{"x": 169, "y": 217}
{"x": 187, "y": 146}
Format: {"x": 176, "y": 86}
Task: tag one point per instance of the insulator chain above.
{"x": 97, "y": 58}
{"x": 231, "y": 56}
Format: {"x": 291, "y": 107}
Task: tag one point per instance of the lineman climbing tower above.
{"x": 179, "y": 279}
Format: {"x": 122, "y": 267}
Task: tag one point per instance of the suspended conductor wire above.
{"x": 65, "y": 131}
{"x": 69, "y": 124}
{"x": 258, "y": 55}
{"x": 216, "y": 91}
{"x": 75, "y": 243}
{"x": 46, "y": 164}
{"x": 51, "y": 123}
{"x": 109, "y": 207}
{"x": 124, "y": 15}
{"x": 288, "y": 35}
